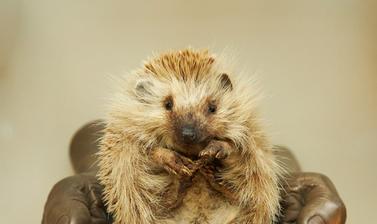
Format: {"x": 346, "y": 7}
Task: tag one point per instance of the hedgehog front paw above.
{"x": 216, "y": 150}
{"x": 173, "y": 162}
{"x": 178, "y": 165}
{"x": 210, "y": 173}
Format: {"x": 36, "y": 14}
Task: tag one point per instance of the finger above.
{"x": 321, "y": 209}
{"x": 83, "y": 216}
{"x": 314, "y": 198}
{"x": 319, "y": 198}
{"x": 78, "y": 218}
{"x": 78, "y": 214}
{"x": 96, "y": 206}
{"x": 291, "y": 208}
{"x": 99, "y": 221}
{"x": 308, "y": 211}
{"x": 310, "y": 219}
{"x": 320, "y": 205}
{"x": 316, "y": 220}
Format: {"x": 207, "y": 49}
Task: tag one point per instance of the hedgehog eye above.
{"x": 168, "y": 103}
{"x": 212, "y": 108}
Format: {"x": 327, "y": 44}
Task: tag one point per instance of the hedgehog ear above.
{"x": 225, "y": 82}
{"x": 143, "y": 89}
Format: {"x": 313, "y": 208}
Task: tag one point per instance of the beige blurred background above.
{"x": 317, "y": 61}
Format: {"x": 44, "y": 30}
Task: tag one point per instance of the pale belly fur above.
{"x": 202, "y": 205}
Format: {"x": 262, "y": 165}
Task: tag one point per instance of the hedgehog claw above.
{"x": 217, "y": 149}
{"x": 170, "y": 170}
{"x": 186, "y": 171}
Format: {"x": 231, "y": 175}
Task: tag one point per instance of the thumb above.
{"x": 321, "y": 212}
{"x": 309, "y": 214}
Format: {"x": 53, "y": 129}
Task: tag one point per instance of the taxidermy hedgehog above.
{"x": 183, "y": 144}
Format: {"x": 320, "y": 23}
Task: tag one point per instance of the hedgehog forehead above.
{"x": 190, "y": 94}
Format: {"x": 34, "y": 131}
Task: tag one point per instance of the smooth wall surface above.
{"x": 317, "y": 62}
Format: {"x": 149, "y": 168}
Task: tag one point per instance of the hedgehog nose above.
{"x": 188, "y": 134}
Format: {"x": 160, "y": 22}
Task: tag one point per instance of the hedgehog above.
{"x": 183, "y": 143}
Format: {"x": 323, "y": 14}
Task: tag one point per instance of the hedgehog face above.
{"x": 189, "y": 110}
{"x": 189, "y": 124}
{"x": 183, "y": 99}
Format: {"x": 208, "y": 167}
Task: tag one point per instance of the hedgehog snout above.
{"x": 189, "y": 134}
